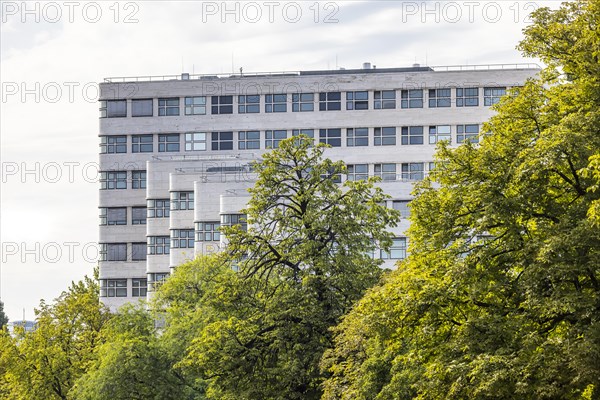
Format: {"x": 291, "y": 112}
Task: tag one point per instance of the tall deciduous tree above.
{"x": 45, "y": 363}
{"x": 303, "y": 261}
{"x": 500, "y": 297}
{"x": 133, "y": 363}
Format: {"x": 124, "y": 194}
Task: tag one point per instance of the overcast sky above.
{"x": 53, "y": 54}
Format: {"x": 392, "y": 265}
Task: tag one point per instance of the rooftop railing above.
{"x": 189, "y": 77}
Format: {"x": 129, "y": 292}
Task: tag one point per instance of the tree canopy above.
{"x": 500, "y": 295}
{"x": 302, "y": 262}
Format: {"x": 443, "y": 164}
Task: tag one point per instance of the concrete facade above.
{"x": 186, "y": 167}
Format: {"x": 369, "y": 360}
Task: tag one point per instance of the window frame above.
{"x": 330, "y": 101}
{"x": 411, "y": 98}
{"x": 190, "y": 105}
{"x": 381, "y": 102}
{"x": 382, "y": 136}
{"x": 167, "y": 106}
{"x": 222, "y": 140}
{"x": 300, "y": 101}
{"x": 141, "y": 103}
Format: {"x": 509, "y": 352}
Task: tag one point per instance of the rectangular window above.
{"x": 275, "y": 103}
{"x": 492, "y": 95}
{"x": 113, "y": 287}
{"x": 113, "y": 180}
{"x": 385, "y": 136}
{"x": 139, "y": 251}
{"x": 306, "y": 132}
{"x": 357, "y": 100}
{"x": 439, "y": 98}
{"x": 402, "y": 206}
{"x": 208, "y": 232}
{"x": 412, "y": 135}
{"x": 469, "y": 132}
{"x": 156, "y": 279}
{"x": 182, "y": 201}
{"x": 302, "y": 102}
{"x": 168, "y": 142}
{"x": 385, "y": 99}
{"x": 142, "y": 143}
{"x": 113, "y": 251}
{"x": 272, "y": 138}
{"x": 397, "y": 250}
{"x": 249, "y": 104}
{"x": 357, "y": 172}
{"x": 113, "y": 144}
{"x": 158, "y": 245}
{"x": 168, "y": 107}
{"x": 357, "y": 137}
{"x": 222, "y": 140}
{"x": 158, "y": 208}
{"x": 138, "y": 215}
{"x": 330, "y": 101}
{"x": 387, "y": 172}
{"x": 412, "y": 98}
{"x": 195, "y": 105}
{"x": 195, "y": 141}
{"x": 234, "y": 219}
{"x": 142, "y": 108}
{"x": 467, "y": 97}
{"x": 221, "y": 104}
{"x": 413, "y": 171}
{"x": 139, "y": 287}
{"x": 113, "y": 108}
{"x": 332, "y": 137}
{"x": 182, "y": 238}
{"x": 113, "y": 216}
{"x": 438, "y": 133}
{"x": 249, "y": 140}
{"x": 138, "y": 179}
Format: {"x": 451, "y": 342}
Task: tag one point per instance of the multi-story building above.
{"x": 175, "y": 150}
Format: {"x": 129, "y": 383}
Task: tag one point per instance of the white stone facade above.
{"x": 186, "y": 158}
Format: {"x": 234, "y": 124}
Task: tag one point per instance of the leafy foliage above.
{"x": 500, "y": 296}
{"x": 303, "y": 262}
{"x": 45, "y": 363}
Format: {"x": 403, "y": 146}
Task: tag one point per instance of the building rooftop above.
{"x": 367, "y": 69}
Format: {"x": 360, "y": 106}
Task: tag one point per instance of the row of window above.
{"x": 209, "y": 231}
{"x": 205, "y": 231}
{"x": 160, "y": 208}
{"x": 303, "y": 102}
{"x": 118, "y": 287}
{"x": 141, "y": 286}
{"x": 184, "y": 239}
{"x": 113, "y": 180}
{"x": 251, "y": 140}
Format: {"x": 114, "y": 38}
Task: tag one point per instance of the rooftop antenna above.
{"x": 241, "y": 71}
{"x": 336, "y": 61}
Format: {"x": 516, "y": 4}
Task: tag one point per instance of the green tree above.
{"x": 303, "y": 261}
{"x": 500, "y": 296}
{"x": 132, "y": 363}
{"x": 3, "y": 317}
{"x": 45, "y": 363}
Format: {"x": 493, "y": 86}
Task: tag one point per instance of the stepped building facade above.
{"x": 176, "y": 151}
